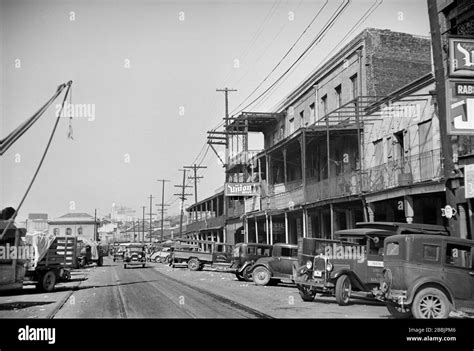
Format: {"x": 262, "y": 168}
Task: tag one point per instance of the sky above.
{"x": 147, "y": 73}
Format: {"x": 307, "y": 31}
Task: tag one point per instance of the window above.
{"x": 324, "y": 103}
{"x": 56, "y": 231}
{"x": 302, "y": 121}
{"x": 431, "y": 252}
{"x": 285, "y": 252}
{"x": 378, "y": 148}
{"x": 312, "y": 113}
{"x": 338, "y": 91}
{"x": 389, "y": 148}
{"x": 79, "y": 231}
{"x": 354, "y": 86}
{"x": 292, "y": 125}
{"x": 294, "y": 252}
{"x": 68, "y": 231}
{"x": 393, "y": 249}
{"x": 458, "y": 255}
{"x": 399, "y": 145}
{"x": 251, "y": 250}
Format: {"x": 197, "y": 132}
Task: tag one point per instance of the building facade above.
{"x": 75, "y": 224}
{"x": 320, "y": 158}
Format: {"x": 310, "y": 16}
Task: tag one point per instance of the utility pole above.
{"x": 162, "y": 206}
{"x": 95, "y": 224}
{"x": 151, "y": 215}
{"x": 134, "y": 234}
{"x": 226, "y": 125}
{"x": 226, "y": 160}
{"x": 195, "y": 169}
{"x": 143, "y": 224}
{"x": 182, "y": 197}
{"x": 446, "y": 141}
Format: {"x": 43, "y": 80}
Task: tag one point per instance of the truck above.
{"x": 89, "y": 252}
{"x": 197, "y": 253}
{"x": 42, "y": 259}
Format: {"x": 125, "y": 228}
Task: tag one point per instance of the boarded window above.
{"x": 378, "y": 149}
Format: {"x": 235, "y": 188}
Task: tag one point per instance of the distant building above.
{"x": 36, "y": 222}
{"x": 74, "y": 224}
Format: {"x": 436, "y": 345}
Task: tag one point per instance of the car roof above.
{"x": 431, "y": 237}
{"x": 286, "y": 245}
{"x": 400, "y": 227}
{"x": 362, "y": 232}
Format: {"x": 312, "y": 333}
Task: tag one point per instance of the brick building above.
{"x": 310, "y": 174}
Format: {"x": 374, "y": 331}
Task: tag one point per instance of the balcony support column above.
{"x": 271, "y": 230}
{"x": 305, "y": 221}
{"x": 284, "y": 166}
{"x": 267, "y": 231}
{"x": 371, "y": 211}
{"x": 286, "y": 228}
{"x": 303, "y": 163}
{"x": 256, "y": 230}
{"x": 331, "y": 213}
{"x": 409, "y": 209}
{"x": 246, "y": 237}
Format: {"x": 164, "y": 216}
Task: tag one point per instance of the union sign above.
{"x": 241, "y": 189}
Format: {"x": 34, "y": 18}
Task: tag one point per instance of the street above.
{"x": 159, "y": 291}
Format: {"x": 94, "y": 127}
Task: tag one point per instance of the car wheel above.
{"x": 431, "y": 303}
{"x": 343, "y": 290}
{"x": 143, "y": 265}
{"x": 100, "y": 261}
{"x": 306, "y": 293}
{"x": 261, "y": 276}
{"x": 114, "y": 259}
{"x": 194, "y": 264}
{"x": 124, "y": 266}
{"x": 398, "y": 311}
{"x": 48, "y": 281}
{"x": 247, "y": 273}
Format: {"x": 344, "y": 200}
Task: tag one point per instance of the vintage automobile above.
{"x": 134, "y": 255}
{"x": 244, "y": 256}
{"x": 161, "y": 255}
{"x": 428, "y": 276}
{"x": 270, "y": 270}
{"x": 352, "y": 264}
{"x": 119, "y": 252}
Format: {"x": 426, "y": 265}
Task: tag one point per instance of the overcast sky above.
{"x": 149, "y": 71}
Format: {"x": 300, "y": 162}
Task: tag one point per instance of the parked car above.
{"x": 119, "y": 252}
{"x": 161, "y": 255}
{"x": 352, "y": 264}
{"x": 270, "y": 270}
{"x": 427, "y": 276}
{"x": 134, "y": 255}
{"x": 244, "y": 256}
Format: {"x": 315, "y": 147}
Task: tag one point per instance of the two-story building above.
{"x": 75, "y": 224}
{"x": 311, "y": 174}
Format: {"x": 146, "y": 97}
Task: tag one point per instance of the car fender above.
{"x": 245, "y": 265}
{"x": 355, "y": 281}
{"x": 427, "y": 281}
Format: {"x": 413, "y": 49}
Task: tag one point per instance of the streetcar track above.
{"x": 222, "y": 299}
{"x": 118, "y": 293}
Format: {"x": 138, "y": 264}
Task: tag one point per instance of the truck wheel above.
{"x": 47, "y": 281}
{"x": 100, "y": 261}
{"x": 343, "y": 290}
{"x": 194, "y": 264}
{"x": 398, "y": 311}
{"x": 431, "y": 303}
{"x": 261, "y": 276}
{"x": 306, "y": 293}
{"x": 124, "y": 266}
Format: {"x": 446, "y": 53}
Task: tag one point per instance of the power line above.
{"x": 318, "y": 38}
{"x": 182, "y": 197}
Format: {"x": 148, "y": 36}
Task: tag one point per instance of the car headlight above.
{"x": 309, "y": 264}
{"x": 329, "y": 266}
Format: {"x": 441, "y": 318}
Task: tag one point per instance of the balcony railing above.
{"x": 409, "y": 170}
{"x": 243, "y": 157}
{"x": 404, "y": 171}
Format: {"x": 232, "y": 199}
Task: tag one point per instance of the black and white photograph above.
{"x": 235, "y": 159}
